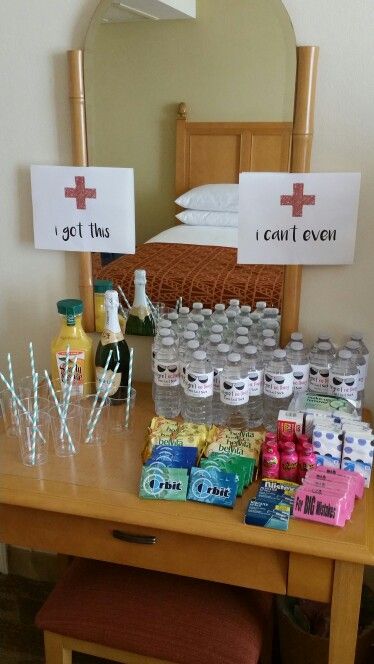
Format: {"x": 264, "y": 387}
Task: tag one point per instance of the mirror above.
{"x": 236, "y": 62}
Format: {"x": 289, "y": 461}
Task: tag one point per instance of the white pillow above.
{"x": 213, "y": 197}
{"x": 205, "y": 218}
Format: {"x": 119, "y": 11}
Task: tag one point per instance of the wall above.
{"x": 236, "y": 62}
{"x": 34, "y": 127}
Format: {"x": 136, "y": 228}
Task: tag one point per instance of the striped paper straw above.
{"x": 69, "y": 389}
{"x": 129, "y": 389}
{"x": 100, "y": 408}
{"x": 64, "y": 425}
{"x": 34, "y": 417}
{"x": 101, "y": 383}
{"x": 11, "y": 379}
{"x": 19, "y": 404}
{"x": 64, "y": 382}
{"x": 127, "y": 303}
{"x": 32, "y": 362}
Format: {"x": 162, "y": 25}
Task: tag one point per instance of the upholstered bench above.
{"x": 136, "y": 616}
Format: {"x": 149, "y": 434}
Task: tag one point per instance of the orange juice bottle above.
{"x": 72, "y": 335}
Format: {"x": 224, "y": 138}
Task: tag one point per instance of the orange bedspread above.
{"x": 195, "y": 273}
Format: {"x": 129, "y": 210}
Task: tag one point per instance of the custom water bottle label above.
{"x": 256, "y": 383}
{"x": 182, "y": 373}
{"x": 166, "y": 374}
{"x": 199, "y": 384}
{"x": 300, "y": 377}
{"x": 278, "y": 386}
{"x": 79, "y": 369}
{"x": 216, "y": 378}
{"x": 319, "y": 379}
{"x": 343, "y": 386}
{"x": 108, "y": 377}
{"x": 234, "y": 391}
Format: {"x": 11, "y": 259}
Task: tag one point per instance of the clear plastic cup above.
{"x": 9, "y": 412}
{"x": 119, "y": 421}
{"x": 95, "y": 419}
{"x": 66, "y": 443}
{"x": 34, "y": 445}
{"x": 25, "y": 387}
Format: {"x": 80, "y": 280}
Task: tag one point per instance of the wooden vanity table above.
{"x": 88, "y": 506}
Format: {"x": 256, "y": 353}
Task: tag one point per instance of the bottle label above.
{"x": 234, "y": 391}
{"x": 199, "y": 384}
{"x": 65, "y": 372}
{"x": 109, "y": 337}
{"x": 278, "y": 386}
{"x": 343, "y": 386}
{"x": 166, "y": 374}
{"x": 256, "y": 383}
{"x": 108, "y": 377}
{"x": 319, "y": 379}
{"x": 216, "y": 378}
{"x": 140, "y": 312}
{"x": 300, "y": 377}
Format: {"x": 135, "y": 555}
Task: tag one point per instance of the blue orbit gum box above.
{"x": 163, "y": 483}
{"x": 213, "y": 486}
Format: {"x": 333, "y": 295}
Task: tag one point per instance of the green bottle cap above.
{"x": 70, "y": 309}
{"x": 102, "y": 285}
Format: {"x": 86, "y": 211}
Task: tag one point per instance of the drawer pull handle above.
{"x": 134, "y": 539}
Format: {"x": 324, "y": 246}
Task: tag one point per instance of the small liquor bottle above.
{"x": 140, "y": 320}
{"x": 112, "y": 340}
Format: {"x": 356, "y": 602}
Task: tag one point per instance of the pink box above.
{"x": 316, "y": 505}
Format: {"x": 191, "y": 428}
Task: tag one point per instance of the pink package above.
{"x": 321, "y": 476}
{"x": 315, "y": 504}
{"x": 328, "y": 486}
{"x": 351, "y": 475}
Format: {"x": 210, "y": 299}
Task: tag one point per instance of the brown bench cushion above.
{"x": 176, "y": 618}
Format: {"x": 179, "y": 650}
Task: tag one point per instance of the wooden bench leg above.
{"x": 55, "y": 653}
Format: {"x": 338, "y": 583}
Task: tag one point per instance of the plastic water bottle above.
{"x": 229, "y": 331}
{"x": 218, "y": 358}
{"x": 320, "y": 361}
{"x": 207, "y": 313}
{"x": 343, "y": 379}
{"x": 185, "y": 356}
{"x": 358, "y": 358}
{"x": 256, "y": 328}
{"x": 298, "y": 357}
{"x": 162, "y": 333}
{"x": 247, "y": 323}
{"x": 269, "y": 321}
{"x": 241, "y": 331}
{"x": 239, "y": 344}
{"x": 216, "y": 329}
{"x": 267, "y": 350}
{"x": 183, "y": 318}
{"x": 265, "y": 334}
{"x": 358, "y": 336}
{"x": 212, "y": 344}
{"x": 295, "y": 336}
{"x": 185, "y": 338}
{"x": 166, "y": 380}
{"x": 174, "y": 318}
{"x": 234, "y": 392}
{"x": 254, "y": 365}
{"x": 198, "y": 389}
{"x": 278, "y": 388}
{"x": 260, "y": 306}
{"x": 245, "y": 310}
{"x": 198, "y": 319}
{"x": 192, "y": 327}
{"x": 218, "y": 316}
{"x": 234, "y": 305}
{"x": 196, "y": 308}
{"x": 324, "y": 337}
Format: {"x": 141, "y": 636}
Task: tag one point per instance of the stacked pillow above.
{"x": 210, "y": 205}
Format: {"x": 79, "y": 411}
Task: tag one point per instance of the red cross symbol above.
{"x": 298, "y": 200}
{"x": 80, "y": 193}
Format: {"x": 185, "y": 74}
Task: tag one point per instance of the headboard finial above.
{"x": 182, "y": 111}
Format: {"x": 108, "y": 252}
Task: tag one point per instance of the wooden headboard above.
{"x": 210, "y": 152}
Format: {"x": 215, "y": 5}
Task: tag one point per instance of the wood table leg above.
{"x": 345, "y": 609}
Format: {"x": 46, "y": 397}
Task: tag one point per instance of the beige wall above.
{"x": 236, "y": 62}
{"x": 34, "y": 127}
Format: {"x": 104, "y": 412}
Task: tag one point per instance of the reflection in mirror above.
{"x": 234, "y": 66}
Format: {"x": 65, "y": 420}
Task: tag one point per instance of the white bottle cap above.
{"x": 345, "y": 354}
{"x": 234, "y": 303}
{"x": 164, "y": 323}
{"x": 245, "y": 309}
{"x": 353, "y": 345}
{"x": 297, "y": 336}
{"x": 297, "y": 345}
{"x": 357, "y": 336}
{"x": 197, "y": 306}
{"x": 324, "y": 345}
{"x": 184, "y": 310}
{"x": 250, "y": 350}
{"x": 260, "y": 305}
{"x": 279, "y": 354}
{"x": 242, "y": 341}
{"x": 164, "y": 332}
{"x": 271, "y": 311}
{"x": 188, "y": 335}
{"x": 199, "y": 355}
{"x": 234, "y": 357}
{"x": 215, "y": 338}
{"x": 191, "y": 326}
{"x": 269, "y": 343}
{"x": 219, "y": 307}
{"x": 206, "y": 312}
{"x": 255, "y": 316}
{"x": 217, "y": 329}
{"x": 173, "y": 315}
{"x": 140, "y": 277}
{"x": 197, "y": 318}
{"x": 223, "y": 348}
{"x": 268, "y": 334}
{"x": 167, "y": 341}
{"x": 230, "y": 314}
{"x": 193, "y": 344}
{"x": 111, "y": 299}
{"x": 246, "y": 322}
{"x": 242, "y": 331}
{"x": 323, "y": 336}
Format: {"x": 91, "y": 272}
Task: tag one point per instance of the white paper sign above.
{"x": 298, "y": 218}
{"x": 83, "y": 209}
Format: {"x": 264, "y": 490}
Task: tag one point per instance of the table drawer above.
{"x": 176, "y": 553}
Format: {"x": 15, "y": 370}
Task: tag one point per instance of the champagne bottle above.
{"x": 140, "y": 320}
{"x": 112, "y": 340}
